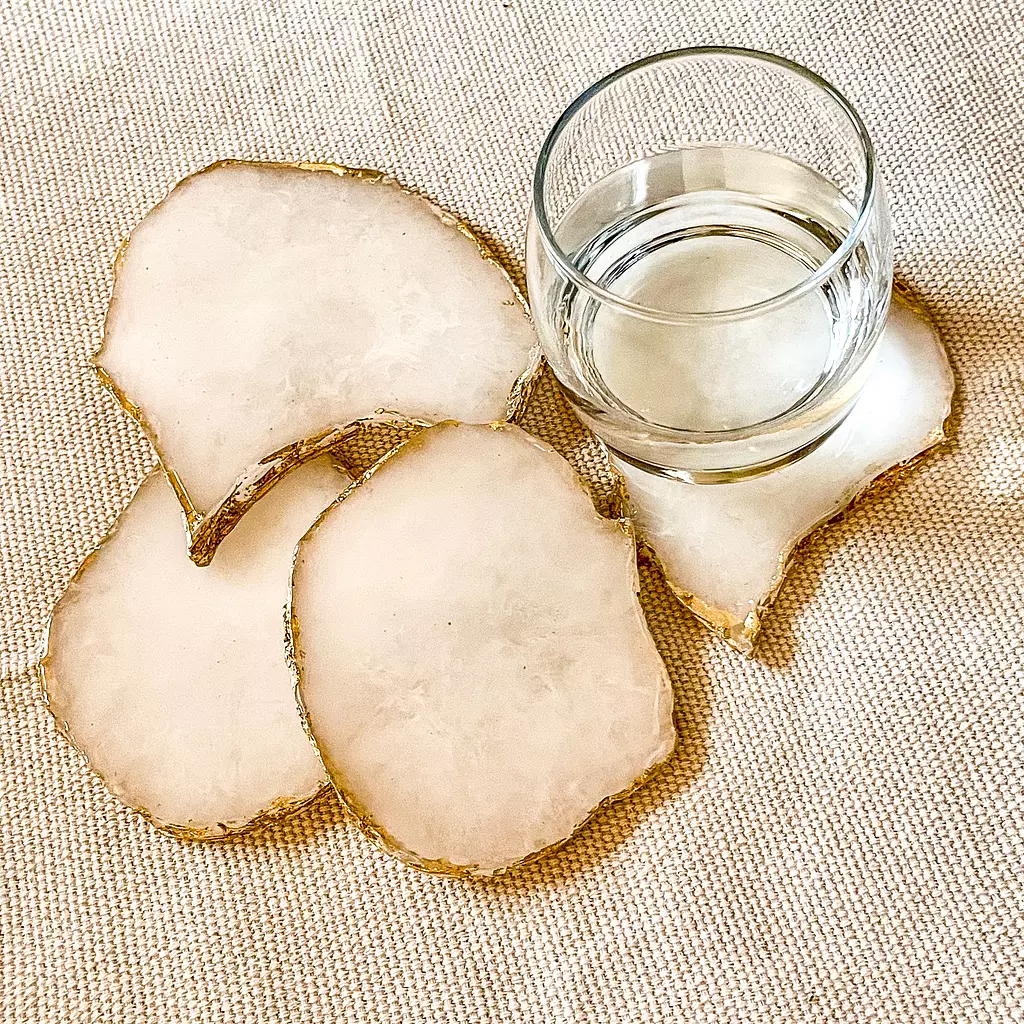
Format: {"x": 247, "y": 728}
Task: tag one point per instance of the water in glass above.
{"x": 699, "y": 230}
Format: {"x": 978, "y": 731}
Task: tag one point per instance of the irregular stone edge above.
{"x": 363, "y": 820}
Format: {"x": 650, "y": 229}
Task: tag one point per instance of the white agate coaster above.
{"x": 172, "y": 680}
{"x": 260, "y": 309}
{"x": 725, "y": 548}
{"x": 470, "y": 652}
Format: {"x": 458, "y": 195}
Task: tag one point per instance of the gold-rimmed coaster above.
{"x": 725, "y": 548}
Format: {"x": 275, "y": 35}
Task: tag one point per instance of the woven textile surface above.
{"x": 841, "y": 835}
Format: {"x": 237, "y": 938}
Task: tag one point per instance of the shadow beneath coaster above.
{"x": 776, "y": 641}
{"x": 305, "y": 825}
{"x": 550, "y": 418}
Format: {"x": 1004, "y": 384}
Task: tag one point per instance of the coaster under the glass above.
{"x": 725, "y": 548}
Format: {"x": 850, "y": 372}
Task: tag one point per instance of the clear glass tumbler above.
{"x": 709, "y": 260}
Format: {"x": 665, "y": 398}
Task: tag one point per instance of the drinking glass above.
{"x": 709, "y": 260}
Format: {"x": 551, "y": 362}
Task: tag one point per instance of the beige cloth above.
{"x": 840, "y": 838}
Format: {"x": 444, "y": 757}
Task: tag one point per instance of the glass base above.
{"x": 726, "y": 476}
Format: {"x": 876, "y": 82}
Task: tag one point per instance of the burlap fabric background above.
{"x": 840, "y": 838}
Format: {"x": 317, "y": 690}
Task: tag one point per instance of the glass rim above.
{"x": 803, "y": 287}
